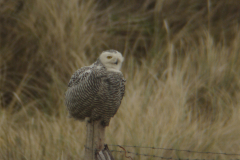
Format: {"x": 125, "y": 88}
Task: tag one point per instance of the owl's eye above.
{"x": 109, "y": 57}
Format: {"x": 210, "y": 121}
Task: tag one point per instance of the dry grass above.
{"x": 182, "y": 69}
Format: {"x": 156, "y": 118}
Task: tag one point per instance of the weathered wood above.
{"x": 89, "y": 150}
{"x": 99, "y": 136}
{"x": 94, "y": 148}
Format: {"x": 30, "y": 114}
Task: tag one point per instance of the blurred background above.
{"x": 182, "y": 66}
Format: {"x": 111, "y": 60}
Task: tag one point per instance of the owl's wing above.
{"x": 80, "y": 75}
{"x": 119, "y": 92}
{"x": 122, "y": 86}
{"x": 82, "y": 91}
{"x": 115, "y": 89}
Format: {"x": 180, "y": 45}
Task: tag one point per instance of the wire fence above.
{"x": 125, "y": 151}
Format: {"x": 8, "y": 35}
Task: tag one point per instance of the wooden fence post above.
{"x": 95, "y": 148}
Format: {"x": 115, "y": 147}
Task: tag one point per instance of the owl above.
{"x": 96, "y": 91}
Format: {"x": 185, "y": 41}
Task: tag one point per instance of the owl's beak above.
{"x": 116, "y": 62}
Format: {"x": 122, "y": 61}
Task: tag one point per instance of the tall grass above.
{"x": 181, "y": 63}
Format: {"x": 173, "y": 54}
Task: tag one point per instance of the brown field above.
{"x": 182, "y": 66}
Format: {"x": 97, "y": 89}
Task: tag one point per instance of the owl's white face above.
{"x": 112, "y": 60}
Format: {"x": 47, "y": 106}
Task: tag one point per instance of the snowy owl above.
{"x": 96, "y": 91}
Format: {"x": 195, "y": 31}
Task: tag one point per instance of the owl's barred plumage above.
{"x": 96, "y": 91}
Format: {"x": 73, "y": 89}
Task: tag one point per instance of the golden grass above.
{"x": 181, "y": 64}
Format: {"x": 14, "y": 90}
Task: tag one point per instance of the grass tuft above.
{"x": 181, "y": 64}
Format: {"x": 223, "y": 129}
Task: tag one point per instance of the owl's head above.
{"x": 112, "y": 60}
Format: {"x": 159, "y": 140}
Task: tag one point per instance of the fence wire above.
{"x": 179, "y": 150}
{"x": 169, "y": 149}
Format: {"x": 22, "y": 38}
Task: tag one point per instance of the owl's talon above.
{"x": 104, "y": 124}
{"x": 88, "y": 120}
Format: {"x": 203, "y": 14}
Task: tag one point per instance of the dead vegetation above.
{"x": 182, "y": 68}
